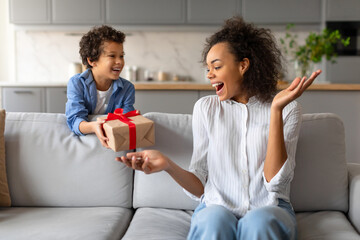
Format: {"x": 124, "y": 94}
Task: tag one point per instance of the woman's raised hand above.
{"x": 296, "y": 88}
{"x": 148, "y": 161}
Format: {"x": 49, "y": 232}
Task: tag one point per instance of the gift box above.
{"x": 128, "y": 131}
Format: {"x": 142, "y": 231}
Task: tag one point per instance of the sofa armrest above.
{"x": 354, "y": 194}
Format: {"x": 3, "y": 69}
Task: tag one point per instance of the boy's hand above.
{"x": 98, "y": 130}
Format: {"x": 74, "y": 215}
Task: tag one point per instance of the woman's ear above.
{"x": 91, "y": 63}
{"x": 244, "y": 66}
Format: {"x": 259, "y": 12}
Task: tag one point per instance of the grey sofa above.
{"x": 68, "y": 187}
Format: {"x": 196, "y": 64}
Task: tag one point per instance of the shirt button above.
{"x": 244, "y": 171}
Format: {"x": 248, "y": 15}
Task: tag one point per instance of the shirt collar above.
{"x": 87, "y": 75}
{"x": 252, "y": 100}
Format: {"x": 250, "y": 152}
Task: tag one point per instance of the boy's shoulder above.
{"x": 81, "y": 77}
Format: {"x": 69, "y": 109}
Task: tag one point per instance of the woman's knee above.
{"x": 268, "y": 221}
{"x": 213, "y": 222}
{"x": 214, "y": 215}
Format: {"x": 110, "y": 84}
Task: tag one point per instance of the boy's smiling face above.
{"x": 110, "y": 62}
{"x": 225, "y": 73}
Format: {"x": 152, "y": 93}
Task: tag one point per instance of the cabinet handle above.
{"x": 23, "y": 92}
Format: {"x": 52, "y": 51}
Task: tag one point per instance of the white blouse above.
{"x": 230, "y": 142}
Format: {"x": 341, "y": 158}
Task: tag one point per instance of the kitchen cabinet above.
{"x": 344, "y": 10}
{"x": 171, "y": 101}
{"x": 282, "y": 11}
{"x": 23, "y": 99}
{"x": 55, "y": 99}
{"x": 174, "y": 12}
{"x": 78, "y": 11}
{"x": 34, "y": 99}
{"x": 211, "y": 11}
{"x": 145, "y": 11}
{"x": 206, "y": 93}
{"x": 345, "y": 70}
{"x": 30, "y": 11}
{"x": 57, "y": 11}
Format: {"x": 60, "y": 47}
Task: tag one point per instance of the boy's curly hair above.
{"x": 91, "y": 44}
{"x": 259, "y": 46}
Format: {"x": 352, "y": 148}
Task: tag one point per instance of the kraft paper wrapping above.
{"x": 118, "y": 133}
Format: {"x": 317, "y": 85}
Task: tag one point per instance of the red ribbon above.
{"x": 119, "y": 115}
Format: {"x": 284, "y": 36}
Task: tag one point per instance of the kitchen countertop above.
{"x": 205, "y": 87}
{"x": 189, "y": 86}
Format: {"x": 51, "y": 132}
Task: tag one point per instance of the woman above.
{"x": 244, "y": 141}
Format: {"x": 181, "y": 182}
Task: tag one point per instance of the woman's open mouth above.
{"x": 218, "y": 86}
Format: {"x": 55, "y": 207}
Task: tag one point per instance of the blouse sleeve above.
{"x": 292, "y": 123}
{"x": 198, "y": 165}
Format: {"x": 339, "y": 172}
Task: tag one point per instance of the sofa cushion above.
{"x": 98, "y": 223}
{"x": 320, "y": 181}
{"x": 173, "y": 137}
{"x": 5, "y": 200}
{"x": 159, "y": 223}
{"x": 331, "y": 225}
{"x": 48, "y": 165}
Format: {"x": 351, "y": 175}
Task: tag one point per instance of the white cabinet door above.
{"x": 166, "y": 101}
{"x": 29, "y": 11}
{"x": 78, "y": 11}
{"x": 18, "y": 99}
{"x": 55, "y": 99}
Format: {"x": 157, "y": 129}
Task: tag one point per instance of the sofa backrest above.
{"x": 173, "y": 137}
{"x": 48, "y": 165}
{"x": 320, "y": 181}
{"x": 321, "y": 177}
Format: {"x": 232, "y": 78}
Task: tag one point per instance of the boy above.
{"x": 99, "y": 89}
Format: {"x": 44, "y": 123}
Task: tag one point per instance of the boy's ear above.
{"x": 93, "y": 64}
{"x": 244, "y": 65}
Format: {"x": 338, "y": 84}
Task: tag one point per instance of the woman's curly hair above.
{"x": 259, "y": 46}
{"x": 92, "y": 43}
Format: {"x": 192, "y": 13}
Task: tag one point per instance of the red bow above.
{"x": 118, "y": 114}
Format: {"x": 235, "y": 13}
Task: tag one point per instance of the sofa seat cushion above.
{"x": 330, "y": 225}
{"x": 97, "y": 223}
{"x": 159, "y": 223}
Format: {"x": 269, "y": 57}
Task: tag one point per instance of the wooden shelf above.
{"x": 208, "y": 87}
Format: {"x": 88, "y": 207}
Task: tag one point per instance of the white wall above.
{"x": 7, "y": 44}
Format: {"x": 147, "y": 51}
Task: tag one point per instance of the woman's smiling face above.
{"x": 226, "y": 74}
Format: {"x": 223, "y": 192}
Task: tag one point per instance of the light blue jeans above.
{"x": 270, "y": 222}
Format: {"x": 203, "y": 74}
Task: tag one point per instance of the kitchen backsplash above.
{"x": 47, "y": 57}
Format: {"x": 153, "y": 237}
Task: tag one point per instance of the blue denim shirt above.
{"x": 82, "y": 98}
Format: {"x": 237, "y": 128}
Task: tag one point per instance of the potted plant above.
{"x": 316, "y": 46}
